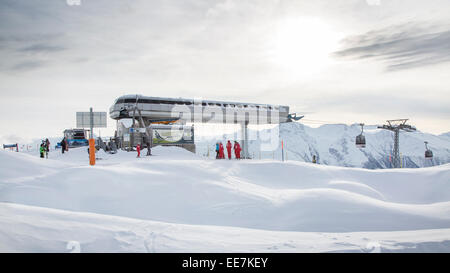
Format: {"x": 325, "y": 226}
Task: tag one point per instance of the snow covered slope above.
{"x": 189, "y": 202}
{"x": 37, "y": 229}
{"x": 334, "y": 144}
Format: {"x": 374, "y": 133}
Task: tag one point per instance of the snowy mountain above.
{"x": 334, "y": 144}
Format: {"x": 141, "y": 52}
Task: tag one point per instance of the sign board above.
{"x": 9, "y": 146}
{"x": 84, "y": 119}
{"x": 173, "y": 134}
{"x": 162, "y": 134}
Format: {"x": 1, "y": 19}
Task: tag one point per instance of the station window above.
{"x": 130, "y": 101}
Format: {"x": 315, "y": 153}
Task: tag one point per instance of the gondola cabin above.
{"x": 428, "y": 152}
{"x": 361, "y": 139}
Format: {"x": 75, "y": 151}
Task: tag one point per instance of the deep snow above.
{"x": 178, "y": 201}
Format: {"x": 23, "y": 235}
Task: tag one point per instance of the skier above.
{"x": 42, "y": 150}
{"x": 47, "y": 143}
{"x": 138, "y": 149}
{"x": 221, "y": 153}
{"x": 148, "y": 144}
{"x": 67, "y": 144}
{"x": 149, "y": 151}
{"x": 47, "y": 147}
{"x": 314, "y": 159}
{"x": 237, "y": 150}
{"x": 63, "y": 145}
{"x": 217, "y": 150}
{"x": 229, "y": 149}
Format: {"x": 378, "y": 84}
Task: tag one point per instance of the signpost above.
{"x": 91, "y": 120}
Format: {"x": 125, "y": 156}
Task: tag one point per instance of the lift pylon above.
{"x": 395, "y": 126}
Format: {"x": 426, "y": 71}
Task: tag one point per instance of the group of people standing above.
{"x": 44, "y": 149}
{"x": 220, "y": 154}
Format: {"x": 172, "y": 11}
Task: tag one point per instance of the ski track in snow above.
{"x": 176, "y": 201}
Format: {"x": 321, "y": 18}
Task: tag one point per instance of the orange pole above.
{"x": 92, "y": 151}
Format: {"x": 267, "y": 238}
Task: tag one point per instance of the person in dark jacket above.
{"x": 63, "y": 145}
{"x": 47, "y": 147}
{"x": 47, "y": 144}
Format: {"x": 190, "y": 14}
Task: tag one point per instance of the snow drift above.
{"x": 175, "y": 187}
{"x": 37, "y": 229}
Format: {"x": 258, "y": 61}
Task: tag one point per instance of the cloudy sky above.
{"x": 336, "y": 61}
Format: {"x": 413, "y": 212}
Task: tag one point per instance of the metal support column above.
{"x": 244, "y": 139}
{"x": 150, "y": 139}
{"x": 91, "y": 120}
{"x": 91, "y": 140}
{"x": 396, "y": 152}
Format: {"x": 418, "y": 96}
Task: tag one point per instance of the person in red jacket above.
{"x": 237, "y": 150}
{"x": 229, "y": 149}
{"x": 138, "y": 149}
{"x": 221, "y": 153}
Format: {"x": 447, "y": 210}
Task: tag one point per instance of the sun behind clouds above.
{"x": 301, "y": 46}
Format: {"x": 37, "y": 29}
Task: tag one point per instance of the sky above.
{"x": 346, "y": 61}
